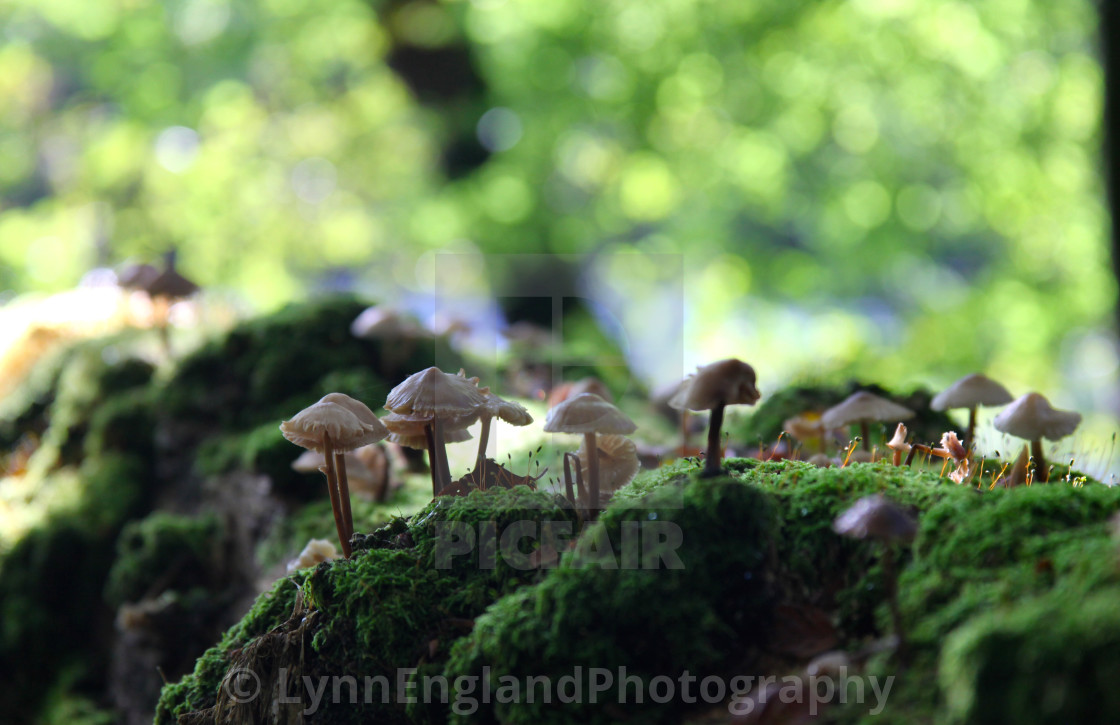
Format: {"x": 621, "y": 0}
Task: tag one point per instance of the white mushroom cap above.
{"x": 316, "y": 551}
{"x": 863, "y": 406}
{"x": 587, "y": 413}
{"x": 970, "y": 391}
{"x": 618, "y": 461}
{"x": 727, "y": 382}
{"x": 1031, "y": 417}
{"x": 346, "y": 430}
{"x": 359, "y": 409}
{"x": 433, "y": 392}
{"x": 509, "y": 411}
{"x": 898, "y": 442}
{"x": 382, "y": 321}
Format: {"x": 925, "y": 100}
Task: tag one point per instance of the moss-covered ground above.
{"x": 756, "y": 552}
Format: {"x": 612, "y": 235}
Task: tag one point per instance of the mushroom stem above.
{"x": 684, "y": 433}
{"x": 568, "y": 479}
{"x": 592, "y": 471}
{"x": 896, "y": 457}
{"x": 332, "y": 489}
{"x": 483, "y": 441}
{"x": 892, "y": 599}
{"x": 865, "y": 431}
{"x": 971, "y": 427}
{"x": 433, "y": 460}
{"x": 713, "y": 462}
{"x": 441, "y": 452}
{"x": 344, "y": 493}
{"x": 1041, "y": 470}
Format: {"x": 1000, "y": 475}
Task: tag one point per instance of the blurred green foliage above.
{"x": 842, "y": 177}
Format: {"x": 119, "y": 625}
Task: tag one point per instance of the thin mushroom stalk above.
{"x": 441, "y": 452}
{"x": 592, "y": 470}
{"x": 1042, "y": 470}
{"x": 483, "y": 441}
{"x": 333, "y": 491}
{"x": 433, "y": 459}
{"x": 713, "y": 459}
{"x": 344, "y": 493}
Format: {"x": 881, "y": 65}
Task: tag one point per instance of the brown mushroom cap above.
{"x": 587, "y": 413}
{"x": 433, "y": 392}
{"x": 137, "y": 276}
{"x": 1031, "y": 417}
{"x": 346, "y": 430}
{"x": 618, "y": 460}
{"x": 863, "y": 406}
{"x": 727, "y": 382}
{"x": 172, "y": 285}
{"x": 359, "y": 409}
{"x": 874, "y": 517}
{"x": 970, "y": 391}
{"x": 898, "y": 442}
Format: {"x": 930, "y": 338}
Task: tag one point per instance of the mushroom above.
{"x": 589, "y": 414}
{"x": 864, "y": 407}
{"x": 713, "y": 387}
{"x": 898, "y": 444}
{"x": 495, "y": 407}
{"x": 386, "y": 323}
{"x": 164, "y": 289}
{"x": 316, "y": 552}
{"x": 414, "y": 431}
{"x": 970, "y": 392}
{"x": 876, "y": 518}
{"x": 1032, "y": 418}
{"x": 618, "y": 462}
{"x": 563, "y": 391}
{"x": 331, "y": 426}
{"x": 806, "y": 427}
{"x": 441, "y": 401}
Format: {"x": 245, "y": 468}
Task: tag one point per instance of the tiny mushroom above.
{"x": 713, "y": 387}
{"x": 588, "y": 414}
{"x": 495, "y": 407}
{"x": 863, "y": 408}
{"x": 442, "y": 401}
{"x": 898, "y": 444}
{"x": 316, "y": 552}
{"x": 876, "y": 518}
{"x": 335, "y": 424}
{"x": 970, "y": 392}
{"x": 1032, "y": 418}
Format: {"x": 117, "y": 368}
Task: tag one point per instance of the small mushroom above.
{"x": 898, "y": 444}
{"x": 970, "y": 392}
{"x": 440, "y": 398}
{"x": 563, "y": 391}
{"x": 316, "y": 552}
{"x": 863, "y": 408}
{"x": 329, "y": 426}
{"x": 876, "y": 518}
{"x": 588, "y": 414}
{"x": 713, "y": 387}
{"x": 164, "y": 290}
{"x": 806, "y": 427}
{"x": 618, "y": 462}
{"x": 496, "y": 407}
{"x": 1032, "y": 418}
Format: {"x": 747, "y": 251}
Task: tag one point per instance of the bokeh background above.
{"x": 901, "y": 190}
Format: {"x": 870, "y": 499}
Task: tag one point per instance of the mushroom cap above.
{"x": 875, "y": 517}
{"x": 618, "y": 460}
{"x": 587, "y": 413}
{"x": 382, "y": 321}
{"x": 171, "y": 284}
{"x": 420, "y": 442}
{"x": 898, "y": 442}
{"x": 433, "y": 392}
{"x": 346, "y": 430}
{"x": 863, "y": 406}
{"x": 359, "y": 409}
{"x": 413, "y": 425}
{"x": 509, "y": 411}
{"x": 563, "y": 391}
{"x": 727, "y": 382}
{"x": 1031, "y": 417}
{"x": 316, "y": 552}
{"x": 970, "y": 391}
{"x": 804, "y": 426}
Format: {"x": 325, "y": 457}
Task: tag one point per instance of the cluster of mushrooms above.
{"x": 432, "y": 408}
{"x": 1030, "y": 417}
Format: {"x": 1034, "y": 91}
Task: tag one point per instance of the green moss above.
{"x": 199, "y": 690}
{"x": 1051, "y": 660}
{"x": 700, "y": 613}
{"x": 163, "y": 551}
